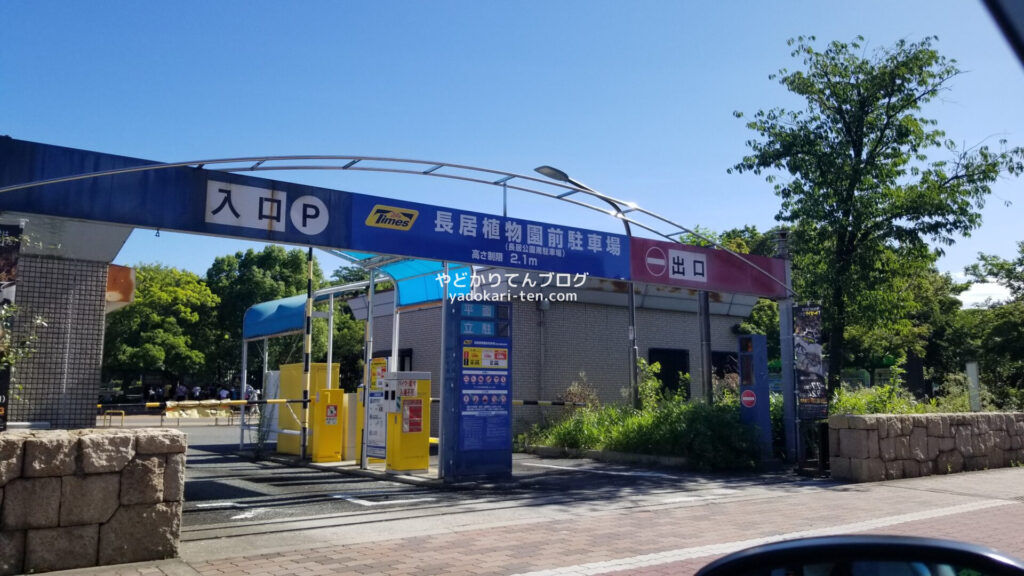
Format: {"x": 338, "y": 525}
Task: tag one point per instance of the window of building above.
{"x": 673, "y": 362}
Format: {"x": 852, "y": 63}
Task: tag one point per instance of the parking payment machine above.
{"x": 754, "y": 391}
{"x": 407, "y": 398}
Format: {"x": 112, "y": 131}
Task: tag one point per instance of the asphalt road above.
{"x": 227, "y": 495}
{"x": 558, "y": 517}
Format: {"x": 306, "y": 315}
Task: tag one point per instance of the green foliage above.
{"x": 247, "y": 278}
{"x": 15, "y": 348}
{"x": 163, "y": 330}
{"x": 887, "y": 399}
{"x": 649, "y": 386}
{"x": 749, "y": 240}
{"x": 776, "y": 410}
{"x": 348, "y": 348}
{"x": 710, "y": 437}
{"x": 1008, "y": 273}
{"x": 764, "y": 320}
{"x": 995, "y": 338}
{"x": 585, "y": 429}
{"x": 182, "y": 325}
{"x": 860, "y": 191}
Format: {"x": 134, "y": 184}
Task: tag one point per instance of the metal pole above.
{"x": 789, "y": 392}
{"x": 634, "y": 353}
{"x": 241, "y": 394}
{"x": 704, "y": 320}
{"x": 367, "y": 371}
{"x": 307, "y": 346}
{"x": 330, "y": 341}
{"x": 266, "y": 364}
{"x": 394, "y": 338}
{"x": 442, "y": 438}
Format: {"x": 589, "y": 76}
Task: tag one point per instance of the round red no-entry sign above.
{"x": 656, "y": 261}
{"x": 748, "y": 398}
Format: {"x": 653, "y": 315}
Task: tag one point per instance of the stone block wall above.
{"x": 885, "y": 447}
{"x": 71, "y": 499}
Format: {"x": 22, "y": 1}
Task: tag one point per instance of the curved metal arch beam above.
{"x": 433, "y": 169}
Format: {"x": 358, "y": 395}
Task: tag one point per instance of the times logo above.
{"x": 392, "y": 218}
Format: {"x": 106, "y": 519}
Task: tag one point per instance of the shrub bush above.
{"x": 709, "y": 437}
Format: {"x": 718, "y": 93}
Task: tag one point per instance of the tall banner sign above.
{"x": 10, "y": 243}
{"x": 478, "y": 378}
{"x": 812, "y": 387}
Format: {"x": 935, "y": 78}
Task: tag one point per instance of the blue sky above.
{"x": 634, "y": 98}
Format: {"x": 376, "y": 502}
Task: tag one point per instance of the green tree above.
{"x": 859, "y": 189}
{"x": 348, "y": 347}
{"x": 764, "y": 319}
{"x": 997, "y": 332}
{"x": 161, "y": 331}
{"x": 994, "y": 337}
{"x": 349, "y": 274}
{"x": 1008, "y": 273}
{"x": 247, "y": 278}
{"x": 748, "y": 240}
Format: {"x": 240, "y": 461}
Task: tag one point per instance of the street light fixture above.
{"x": 560, "y": 176}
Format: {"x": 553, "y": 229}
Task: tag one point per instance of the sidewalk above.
{"x": 674, "y": 536}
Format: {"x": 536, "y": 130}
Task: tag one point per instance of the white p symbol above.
{"x": 309, "y": 215}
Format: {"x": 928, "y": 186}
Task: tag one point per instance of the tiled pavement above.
{"x": 668, "y": 538}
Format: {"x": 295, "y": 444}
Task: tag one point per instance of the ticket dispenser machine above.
{"x": 407, "y": 399}
{"x": 754, "y": 391}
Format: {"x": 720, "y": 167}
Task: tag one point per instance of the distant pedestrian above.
{"x": 197, "y": 392}
{"x": 180, "y": 393}
{"x": 223, "y": 393}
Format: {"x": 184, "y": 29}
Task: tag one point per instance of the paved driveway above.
{"x": 569, "y": 517}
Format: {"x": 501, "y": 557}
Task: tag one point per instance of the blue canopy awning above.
{"x": 416, "y": 282}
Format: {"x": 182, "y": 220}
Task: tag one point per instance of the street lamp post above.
{"x": 560, "y": 176}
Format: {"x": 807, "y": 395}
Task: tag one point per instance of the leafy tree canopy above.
{"x": 247, "y": 278}
{"x": 857, "y": 185}
{"x": 160, "y": 330}
{"x": 1007, "y": 273}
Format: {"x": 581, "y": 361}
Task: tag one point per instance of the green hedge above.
{"x": 709, "y": 437}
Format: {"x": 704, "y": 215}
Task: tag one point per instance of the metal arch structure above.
{"x": 568, "y": 191}
{"x": 625, "y": 211}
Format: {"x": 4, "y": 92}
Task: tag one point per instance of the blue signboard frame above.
{"x": 220, "y": 203}
{"x": 752, "y": 361}
{"x": 478, "y": 377}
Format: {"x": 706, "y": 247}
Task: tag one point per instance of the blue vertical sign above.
{"x": 755, "y": 401}
{"x": 478, "y": 379}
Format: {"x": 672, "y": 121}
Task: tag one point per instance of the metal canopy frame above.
{"x": 624, "y": 210}
{"x": 567, "y": 191}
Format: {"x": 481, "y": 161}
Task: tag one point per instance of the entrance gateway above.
{"x": 187, "y": 198}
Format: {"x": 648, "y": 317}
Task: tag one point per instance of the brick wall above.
{"x": 89, "y": 497}
{"x": 59, "y": 382}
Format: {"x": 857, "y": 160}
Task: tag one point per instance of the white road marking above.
{"x": 216, "y": 505}
{"x": 248, "y": 514}
{"x": 362, "y": 502}
{"x": 678, "y": 555}
{"x": 610, "y": 472}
